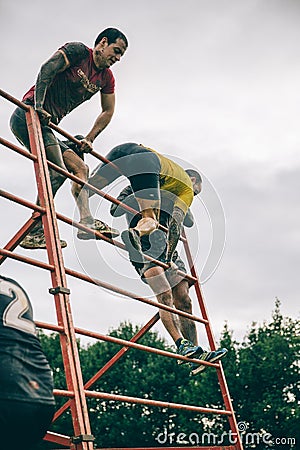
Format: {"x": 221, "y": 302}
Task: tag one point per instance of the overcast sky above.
{"x": 213, "y": 84}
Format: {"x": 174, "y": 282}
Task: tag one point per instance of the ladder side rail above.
{"x": 220, "y": 372}
{"x": 70, "y": 354}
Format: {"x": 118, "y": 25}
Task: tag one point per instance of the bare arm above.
{"x": 174, "y": 231}
{"x": 108, "y": 107}
{"x": 56, "y": 64}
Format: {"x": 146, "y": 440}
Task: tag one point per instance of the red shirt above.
{"x": 76, "y": 84}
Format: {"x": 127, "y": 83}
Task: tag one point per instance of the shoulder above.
{"x": 75, "y": 51}
{"x": 107, "y": 75}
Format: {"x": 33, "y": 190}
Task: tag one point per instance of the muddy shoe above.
{"x": 132, "y": 243}
{"x": 37, "y": 241}
{"x": 96, "y": 225}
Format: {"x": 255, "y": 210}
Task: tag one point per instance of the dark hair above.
{"x": 195, "y": 174}
{"x": 112, "y": 34}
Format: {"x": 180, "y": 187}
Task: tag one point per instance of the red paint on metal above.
{"x": 77, "y": 392}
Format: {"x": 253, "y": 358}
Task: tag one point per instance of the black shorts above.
{"x": 23, "y": 424}
{"x": 139, "y": 164}
{"x": 18, "y": 126}
{"x": 70, "y": 145}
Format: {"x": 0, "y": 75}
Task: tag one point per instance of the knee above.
{"x": 165, "y": 298}
{"x": 85, "y": 171}
{"x": 57, "y": 180}
{"x": 185, "y": 303}
{"x": 82, "y": 172}
{"x": 183, "y": 300}
{"x": 76, "y": 165}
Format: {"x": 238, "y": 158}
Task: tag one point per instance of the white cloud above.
{"x": 215, "y": 83}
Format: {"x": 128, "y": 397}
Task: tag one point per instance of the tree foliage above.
{"x": 268, "y": 368}
{"x": 262, "y": 374}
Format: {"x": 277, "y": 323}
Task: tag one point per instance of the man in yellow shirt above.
{"x": 154, "y": 178}
{"x": 148, "y": 172}
{"x": 169, "y": 285}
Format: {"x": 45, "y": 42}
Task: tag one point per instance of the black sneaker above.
{"x": 189, "y": 350}
{"x": 213, "y": 356}
{"x": 131, "y": 239}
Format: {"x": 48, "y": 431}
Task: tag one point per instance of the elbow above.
{"x": 109, "y": 114}
{"x": 188, "y": 223}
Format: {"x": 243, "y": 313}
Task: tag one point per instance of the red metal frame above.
{"x": 76, "y": 391}
{"x": 69, "y": 348}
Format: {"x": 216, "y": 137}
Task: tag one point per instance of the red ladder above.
{"x": 76, "y": 391}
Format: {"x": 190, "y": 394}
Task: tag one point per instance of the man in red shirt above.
{"x": 68, "y": 78}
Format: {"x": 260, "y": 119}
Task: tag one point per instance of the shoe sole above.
{"x": 134, "y": 254}
{"x": 202, "y": 367}
{"x": 27, "y": 247}
{"x": 40, "y": 247}
{"x": 85, "y": 235}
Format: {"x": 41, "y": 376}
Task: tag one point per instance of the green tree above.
{"x": 137, "y": 374}
{"x": 269, "y": 379}
{"x": 262, "y": 374}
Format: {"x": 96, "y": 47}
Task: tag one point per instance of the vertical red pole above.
{"x": 221, "y": 376}
{"x": 82, "y": 432}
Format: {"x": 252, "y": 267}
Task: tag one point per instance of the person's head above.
{"x": 196, "y": 180}
{"x": 109, "y": 47}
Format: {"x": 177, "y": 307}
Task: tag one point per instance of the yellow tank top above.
{"x": 174, "y": 179}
